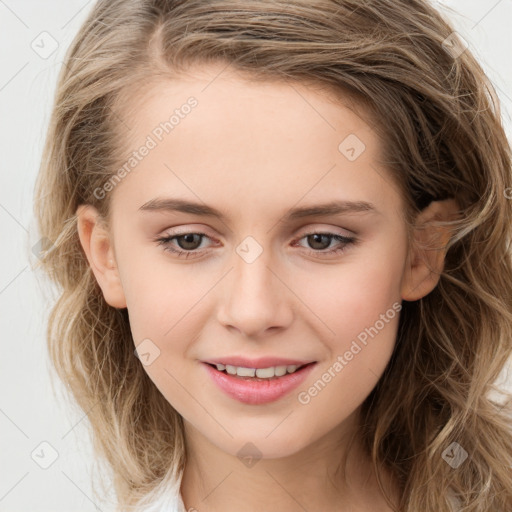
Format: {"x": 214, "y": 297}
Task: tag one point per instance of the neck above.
{"x": 331, "y": 474}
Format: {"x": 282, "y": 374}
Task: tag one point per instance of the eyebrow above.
{"x": 331, "y": 208}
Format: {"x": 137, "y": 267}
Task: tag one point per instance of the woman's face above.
{"x": 258, "y": 160}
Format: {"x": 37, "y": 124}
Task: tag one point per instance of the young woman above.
{"x": 282, "y": 231}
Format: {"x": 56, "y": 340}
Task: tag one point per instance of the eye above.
{"x": 320, "y": 240}
{"x": 188, "y": 244}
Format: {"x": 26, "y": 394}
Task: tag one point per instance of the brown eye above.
{"x": 186, "y": 244}
{"x": 318, "y": 243}
{"x": 189, "y": 242}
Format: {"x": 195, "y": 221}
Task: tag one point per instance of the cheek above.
{"x": 363, "y": 312}
{"x": 354, "y": 295}
{"x": 359, "y": 301}
{"x": 163, "y": 298}
{"x": 148, "y": 291}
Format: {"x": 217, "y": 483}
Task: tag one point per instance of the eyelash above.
{"x": 347, "y": 241}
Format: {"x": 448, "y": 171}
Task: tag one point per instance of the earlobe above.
{"x": 96, "y": 243}
{"x": 426, "y": 258}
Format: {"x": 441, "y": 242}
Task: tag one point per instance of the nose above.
{"x": 256, "y": 299}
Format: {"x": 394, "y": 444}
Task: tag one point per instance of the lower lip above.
{"x": 256, "y": 392}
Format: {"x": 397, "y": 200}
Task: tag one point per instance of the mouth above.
{"x": 258, "y": 374}
{"x": 257, "y": 386}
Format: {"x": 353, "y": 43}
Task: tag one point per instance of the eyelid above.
{"x": 323, "y": 228}
{"x": 346, "y": 241}
{"x": 309, "y": 229}
{"x": 187, "y": 230}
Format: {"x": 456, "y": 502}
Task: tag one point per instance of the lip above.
{"x": 261, "y": 362}
{"x": 254, "y": 392}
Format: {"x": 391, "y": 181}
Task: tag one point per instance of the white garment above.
{"x": 171, "y": 501}
{"x": 168, "y": 500}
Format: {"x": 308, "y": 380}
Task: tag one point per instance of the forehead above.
{"x": 249, "y": 139}
{"x": 243, "y": 98}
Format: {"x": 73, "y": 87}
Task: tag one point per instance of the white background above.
{"x": 29, "y": 412}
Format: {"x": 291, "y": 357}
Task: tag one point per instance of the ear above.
{"x": 96, "y": 242}
{"x": 426, "y": 257}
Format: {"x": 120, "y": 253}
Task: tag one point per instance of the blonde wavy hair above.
{"x": 440, "y": 119}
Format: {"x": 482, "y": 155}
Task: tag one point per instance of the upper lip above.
{"x": 261, "y": 362}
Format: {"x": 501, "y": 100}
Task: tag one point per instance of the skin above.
{"x": 253, "y": 151}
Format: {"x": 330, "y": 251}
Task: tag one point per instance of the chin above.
{"x": 261, "y": 445}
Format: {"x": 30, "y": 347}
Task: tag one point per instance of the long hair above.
{"x": 439, "y": 118}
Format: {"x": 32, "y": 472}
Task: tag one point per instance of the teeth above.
{"x": 280, "y": 371}
{"x": 262, "y": 373}
{"x": 246, "y": 372}
{"x": 231, "y": 369}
